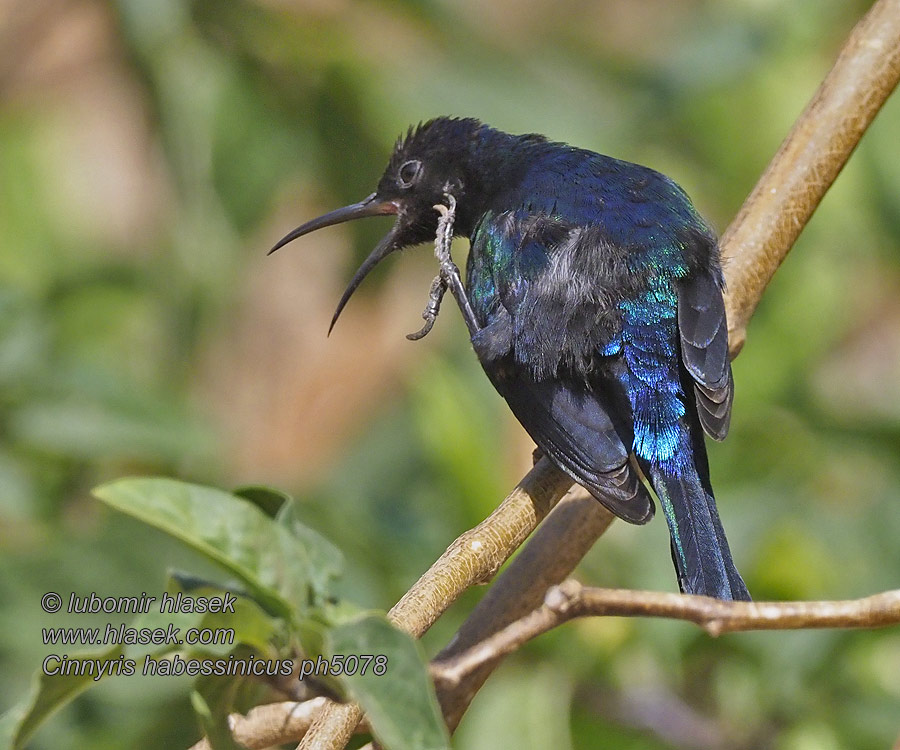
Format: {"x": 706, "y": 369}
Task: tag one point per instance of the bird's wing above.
{"x": 704, "y": 350}
{"x": 569, "y": 421}
{"x": 570, "y": 424}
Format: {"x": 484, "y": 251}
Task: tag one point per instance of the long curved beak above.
{"x": 369, "y": 206}
{"x": 382, "y": 249}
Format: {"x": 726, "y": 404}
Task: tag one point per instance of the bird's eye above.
{"x": 409, "y": 173}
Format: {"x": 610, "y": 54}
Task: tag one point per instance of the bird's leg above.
{"x": 449, "y": 270}
{"x": 438, "y": 287}
{"x": 442, "y": 239}
{"x": 448, "y": 278}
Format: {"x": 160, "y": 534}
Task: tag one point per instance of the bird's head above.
{"x": 431, "y": 161}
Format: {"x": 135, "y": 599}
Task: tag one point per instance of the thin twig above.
{"x": 570, "y": 600}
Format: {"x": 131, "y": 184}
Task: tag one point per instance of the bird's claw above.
{"x": 435, "y": 295}
{"x": 423, "y": 331}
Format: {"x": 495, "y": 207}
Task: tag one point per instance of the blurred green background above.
{"x": 150, "y": 153}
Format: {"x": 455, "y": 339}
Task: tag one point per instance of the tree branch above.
{"x": 550, "y": 556}
{"x": 755, "y": 244}
{"x": 570, "y": 600}
{"x": 473, "y": 558}
{"x": 866, "y": 72}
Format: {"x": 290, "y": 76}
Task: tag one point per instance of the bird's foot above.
{"x": 438, "y": 287}
{"x": 449, "y": 270}
{"x": 448, "y": 277}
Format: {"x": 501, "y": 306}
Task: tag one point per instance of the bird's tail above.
{"x": 699, "y": 547}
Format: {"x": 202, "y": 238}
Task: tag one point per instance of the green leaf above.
{"x": 326, "y": 560}
{"x": 48, "y": 694}
{"x": 9, "y": 726}
{"x": 154, "y": 619}
{"x": 252, "y": 626}
{"x": 268, "y": 499}
{"x": 263, "y": 554}
{"x": 214, "y": 725}
{"x": 231, "y": 531}
{"x": 400, "y": 703}
{"x": 247, "y": 629}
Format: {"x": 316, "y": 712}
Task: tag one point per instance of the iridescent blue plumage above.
{"x": 576, "y": 271}
{"x": 596, "y": 311}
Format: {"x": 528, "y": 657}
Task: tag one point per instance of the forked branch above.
{"x": 866, "y": 71}
{"x": 570, "y": 600}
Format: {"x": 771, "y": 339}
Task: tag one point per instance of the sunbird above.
{"x": 593, "y": 296}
